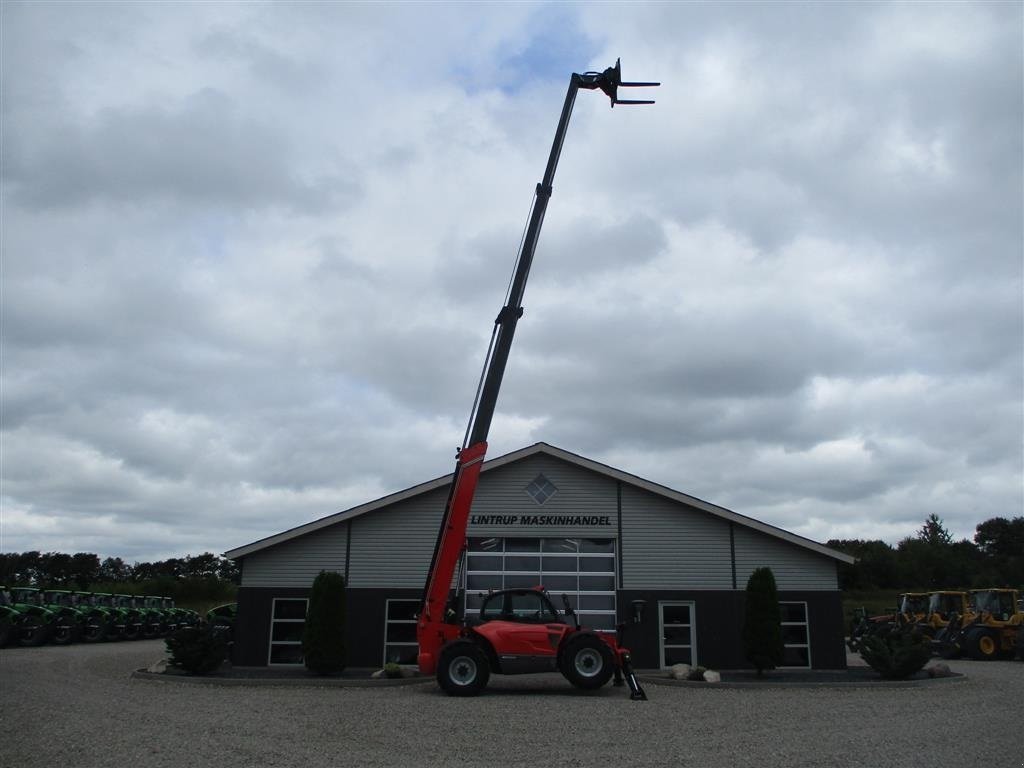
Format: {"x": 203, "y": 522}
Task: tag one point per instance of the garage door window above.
{"x": 582, "y": 569}
{"x": 287, "y": 621}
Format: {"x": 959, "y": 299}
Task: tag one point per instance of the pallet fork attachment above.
{"x": 610, "y": 81}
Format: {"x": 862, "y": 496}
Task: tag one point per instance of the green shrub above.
{"x": 392, "y": 670}
{"x": 762, "y": 627}
{"x": 197, "y": 650}
{"x": 323, "y": 640}
{"x": 896, "y": 652}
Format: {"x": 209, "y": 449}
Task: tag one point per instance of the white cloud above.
{"x": 252, "y": 255}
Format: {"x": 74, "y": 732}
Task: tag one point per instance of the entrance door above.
{"x": 678, "y": 639}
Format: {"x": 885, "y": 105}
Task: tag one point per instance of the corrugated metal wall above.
{"x": 391, "y": 547}
{"x": 296, "y": 563}
{"x": 792, "y": 566}
{"x": 665, "y": 545}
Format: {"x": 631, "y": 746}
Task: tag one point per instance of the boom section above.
{"x": 436, "y": 625}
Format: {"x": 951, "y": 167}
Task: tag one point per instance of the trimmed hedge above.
{"x": 323, "y": 640}
{"x": 197, "y": 650}
{"x": 896, "y": 652}
{"x": 762, "y": 627}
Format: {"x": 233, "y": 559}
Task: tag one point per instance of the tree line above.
{"x": 193, "y": 576}
{"x": 932, "y": 560}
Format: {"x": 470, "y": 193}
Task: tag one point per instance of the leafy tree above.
{"x": 1000, "y": 545}
{"x": 1000, "y": 537}
{"x": 876, "y": 566}
{"x": 85, "y": 568}
{"x": 113, "y": 569}
{"x": 762, "y": 627}
{"x": 323, "y": 640}
{"x": 55, "y": 569}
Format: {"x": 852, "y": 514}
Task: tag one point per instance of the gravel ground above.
{"x": 78, "y": 706}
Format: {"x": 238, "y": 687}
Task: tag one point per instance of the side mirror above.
{"x": 569, "y": 611}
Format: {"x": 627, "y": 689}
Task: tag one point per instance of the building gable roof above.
{"x": 492, "y": 464}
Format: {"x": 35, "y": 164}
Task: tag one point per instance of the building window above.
{"x": 796, "y": 637}
{"x": 287, "y": 621}
{"x": 581, "y": 569}
{"x": 400, "y": 645}
{"x": 678, "y": 643}
{"x": 541, "y": 489}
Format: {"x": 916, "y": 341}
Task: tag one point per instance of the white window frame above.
{"x": 806, "y": 623}
{"x": 273, "y": 621}
{"x": 662, "y": 604}
{"x": 388, "y": 620}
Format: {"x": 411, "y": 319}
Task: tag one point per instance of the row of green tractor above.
{"x": 31, "y": 617}
{"x": 982, "y": 624}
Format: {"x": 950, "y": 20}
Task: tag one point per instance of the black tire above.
{"x": 1020, "y": 642}
{"x": 93, "y": 630}
{"x": 587, "y": 661}
{"x": 32, "y": 631}
{"x": 463, "y": 669}
{"x": 113, "y": 631}
{"x": 64, "y": 632}
{"x": 982, "y": 644}
{"x": 6, "y": 631}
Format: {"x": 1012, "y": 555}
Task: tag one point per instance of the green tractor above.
{"x": 151, "y": 614}
{"x": 35, "y": 623}
{"x": 133, "y": 616}
{"x": 93, "y": 620}
{"x": 182, "y": 617}
{"x": 115, "y": 619}
{"x": 72, "y": 622}
{"x": 8, "y": 617}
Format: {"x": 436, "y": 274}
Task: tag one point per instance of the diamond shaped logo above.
{"x": 541, "y": 489}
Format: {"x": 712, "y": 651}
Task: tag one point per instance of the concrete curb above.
{"x": 956, "y": 677}
{"x": 301, "y": 682}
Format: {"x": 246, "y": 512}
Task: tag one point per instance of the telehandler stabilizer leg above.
{"x": 636, "y": 693}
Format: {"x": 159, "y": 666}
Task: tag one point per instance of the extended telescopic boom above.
{"x": 431, "y": 632}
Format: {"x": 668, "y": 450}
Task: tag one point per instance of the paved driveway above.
{"x": 78, "y": 706}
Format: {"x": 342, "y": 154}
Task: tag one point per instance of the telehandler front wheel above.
{"x": 587, "y": 661}
{"x": 462, "y": 669}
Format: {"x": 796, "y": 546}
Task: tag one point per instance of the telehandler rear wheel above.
{"x": 462, "y": 669}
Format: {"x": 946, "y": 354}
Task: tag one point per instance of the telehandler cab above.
{"x": 517, "y": 630}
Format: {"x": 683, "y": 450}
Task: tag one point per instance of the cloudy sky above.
{"x": 252, "y": 254}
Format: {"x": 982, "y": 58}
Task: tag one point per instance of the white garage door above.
{"x": 582, "y": 569}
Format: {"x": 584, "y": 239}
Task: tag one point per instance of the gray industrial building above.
{"x": 670, "y": 567}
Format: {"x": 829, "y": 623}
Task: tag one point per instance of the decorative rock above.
{"x": 679, "y": 671}
{"x": 159, "y": 667}
{"x": 710, "y": 676}
{"x": 939, "y": 670}
{"x": 378, "y": 674}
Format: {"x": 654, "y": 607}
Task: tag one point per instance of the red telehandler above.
{"x": 518, "y": 630}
